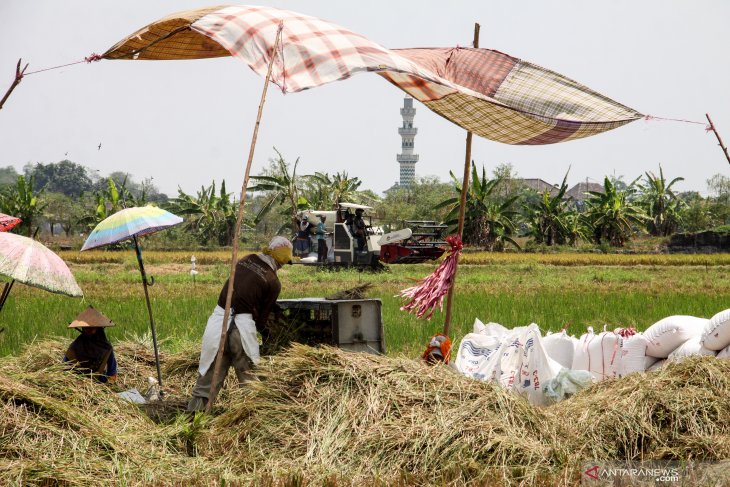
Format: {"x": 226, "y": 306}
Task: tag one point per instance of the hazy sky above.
{"x": 189, "y": 122}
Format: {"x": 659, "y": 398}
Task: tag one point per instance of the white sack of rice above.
{"x": 649, "y": 361}
{"x": 667, "y": 334}
{"x": 473, "y": 357}
{"x": 580, "y": 354}
{"x": 604, "y": 354}
{"x": 633, "y": 355}
{"x": 716, "y": 335}
{"x": 490, "y": 329}
{"x": 517, "y": 361}
{"x": 688, "y": 349}
{"x": 657, "y": 365}
{"x": 560, "y": 347}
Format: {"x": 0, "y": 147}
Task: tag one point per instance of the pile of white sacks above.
{"x": 550, "y": 368}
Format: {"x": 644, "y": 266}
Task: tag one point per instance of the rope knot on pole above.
{"x": 93, "y": 57}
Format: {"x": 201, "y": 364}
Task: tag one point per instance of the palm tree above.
{"x": 661, "y": 203}
{"x": 282, "y": 187}
{"x": 487, "y": 221}
{"x": 612, "y": 214}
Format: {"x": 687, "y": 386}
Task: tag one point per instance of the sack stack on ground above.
{"x": 550, "y": 368}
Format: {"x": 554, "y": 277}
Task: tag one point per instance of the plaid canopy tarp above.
{"x": 490, "y": 93}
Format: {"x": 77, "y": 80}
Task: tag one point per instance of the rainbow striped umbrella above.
{"x": 30, "y": 262}
{"x": 131, "y": 223}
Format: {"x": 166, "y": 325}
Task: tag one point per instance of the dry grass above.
{"x": 680, "y": 412}
{"x": 329, "y": 412}
{"x": 58, "y": 428}
{"x": 326, "y": 416}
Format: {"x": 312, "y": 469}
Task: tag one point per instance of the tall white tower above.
{"x": 407, "y": 159}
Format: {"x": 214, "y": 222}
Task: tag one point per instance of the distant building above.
{"x": 580, "y": 190}
{"x": 538, "y": 185}
{"x": 578, "y": 194}
{"x": 407, "y": 159}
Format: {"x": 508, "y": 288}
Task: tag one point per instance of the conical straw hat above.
{"x": 91, "y": 318}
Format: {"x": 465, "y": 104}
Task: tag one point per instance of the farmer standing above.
{"x": 255, "y": 291}
{"x": 322, "y": 240}
{"x": 303, "y": 232}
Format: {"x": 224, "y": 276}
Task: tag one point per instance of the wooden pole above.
{"x": 462, "y": 205}
{"x": 234, "y": 254}
{"x": 719, "y": 140}
{"x": 18, "y": 78}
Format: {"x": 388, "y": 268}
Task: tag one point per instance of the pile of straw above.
{"x": 61, "y": 428}
{"x": 57, "y": 428}
{"x": 324, "y": 415}
{"x": 681, "y": 411}
{"x": 329, "y": 412}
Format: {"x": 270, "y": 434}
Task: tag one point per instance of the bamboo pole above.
{"x": 719, "y": 140}
{"x": 462, "y": 205}
{"x": 234, "y": 254}
{"x": 18, "y": 78}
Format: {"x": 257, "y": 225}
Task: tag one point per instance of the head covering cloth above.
{"x": 280, "y": 249}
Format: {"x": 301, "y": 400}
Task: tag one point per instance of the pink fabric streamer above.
{"x": 626, "y": 332}
{"x": 430, "y": 292}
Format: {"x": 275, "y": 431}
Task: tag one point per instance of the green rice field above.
{"x": 553, "y": 290}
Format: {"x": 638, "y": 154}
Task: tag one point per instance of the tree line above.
{"x": 500, "y": 208}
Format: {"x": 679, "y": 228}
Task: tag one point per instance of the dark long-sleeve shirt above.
{"x": 255, "y": 290}
{"x": 111, "y": 367}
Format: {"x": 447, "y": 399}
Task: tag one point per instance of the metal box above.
{"x": 352, "y": 324}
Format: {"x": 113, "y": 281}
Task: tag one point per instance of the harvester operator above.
{"x": 322, "y": 240}
{"x": 255, "y": 291}
{"x": 359, "y": 227}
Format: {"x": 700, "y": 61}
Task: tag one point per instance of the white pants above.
{"x": 212, "y": 337}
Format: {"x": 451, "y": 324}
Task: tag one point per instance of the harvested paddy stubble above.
{"x": 318, "y": 414}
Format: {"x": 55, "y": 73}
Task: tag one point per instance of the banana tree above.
{"x": 547, "y": 217}
{"x": 23, "y": 202}
{"x": 488, "y": 222}
{"x": 210, "y": 215}
{"x": 613, "y": 214}
{"x": 662, "y": 205}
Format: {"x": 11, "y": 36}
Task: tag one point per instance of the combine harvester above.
{"x": 421, "y": 242}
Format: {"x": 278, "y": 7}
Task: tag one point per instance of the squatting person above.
{"x": 91, "y": 352}
{"x": 255, "y": 291}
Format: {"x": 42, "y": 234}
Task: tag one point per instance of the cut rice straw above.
{"x": 328, "y": 416}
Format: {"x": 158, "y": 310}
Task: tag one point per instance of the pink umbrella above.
{"x": 28, "y": 261}
{"x": 7, "y": 222}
